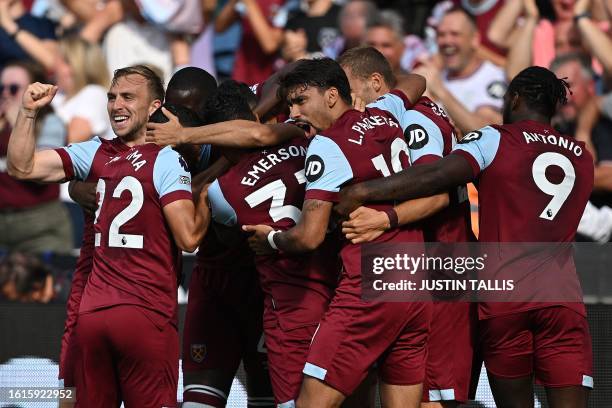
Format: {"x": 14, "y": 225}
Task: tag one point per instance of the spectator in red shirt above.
{"x": 32, "y": 218}
{"x": 261, "y": 36}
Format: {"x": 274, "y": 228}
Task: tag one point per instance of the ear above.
{"x": 376, "y": 80}
{"x": 154, "y": 106}
{"x": 331, "y": 96}
{"x": 515, "y": 102}
{"x": 477, "y": 39}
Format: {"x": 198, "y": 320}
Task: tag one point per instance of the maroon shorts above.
{"x": 287, "y": 352}
{"x": 450, "y": 352}
{"x": 355, "y": 334}
{"x": 69, "y": 352}
{"x": 223, "y": 323}
{"x": 553, "y": 342}
{"x": 126, "y": 357}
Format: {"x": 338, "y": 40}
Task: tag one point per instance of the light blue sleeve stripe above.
{"x": 390, "y": 103}
{"x": 422, "y": 135}
{"x": 82, "y": 155}
{"x": 222, "y": 211}
{"x": 170, "y": 172}
{"x": 314, "y": 371}
{"x": 482, "y": 145}
{"x": 326, "y": 166}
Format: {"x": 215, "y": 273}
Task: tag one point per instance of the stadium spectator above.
{"x": 262, "y": 35}
{"x": 310, "y": 31}
{"x": 593, "y": 37}
{"x": 134, "y": 41}
{"x": 178, "y": 18}
{"x": 579, "y": 117}
{"x": 484, "y": 12}
{"x": 538, "y": 40}
{"x": 355, "y": 17}
{"x": 575, "y": 67}
{"x": 32, "y": 219}
{"x": 386, "y": 34}
{"x": 23, "y": 36}
{"x": 24, "y": 278}
{"x": 83, "y": 80}
{"x": 469, "y": 88}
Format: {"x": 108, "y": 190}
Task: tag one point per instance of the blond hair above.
{"x": 86, "y": 60}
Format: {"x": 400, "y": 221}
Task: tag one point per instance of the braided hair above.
{"x": 541, "y": 90}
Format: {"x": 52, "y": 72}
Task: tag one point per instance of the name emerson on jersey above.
{"x": 269, "y": 161}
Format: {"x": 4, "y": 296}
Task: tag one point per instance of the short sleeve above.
{"x": 394, "y": 102}
{"x": 479, "y": 147}
{"x": 327, "y": 169}
{"x": 423, "y": 136}
{"x": 221, "y": 210}
{"x": 52, "y": 133}
{"x": 171, "y": 177}
{"x": 78, "y": 157}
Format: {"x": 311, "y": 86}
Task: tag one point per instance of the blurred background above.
{"x": 467, "y": 49}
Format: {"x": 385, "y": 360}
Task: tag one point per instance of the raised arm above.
{"x": 233, "y": 133}
{"x": 23, "y": 162}
{"x": 594, "y": 38}
{"x": 461, "y": 116}
{"x": 503, "y": 25}
{"x": 269, "y": 37}
{"x": 414, "y": 182}
{"x": 520, "y": 51}
{"x": 45, "y": 51}
{"x": 227, "y": 16}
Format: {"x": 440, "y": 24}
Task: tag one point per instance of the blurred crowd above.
{"x": 467, "y": 49}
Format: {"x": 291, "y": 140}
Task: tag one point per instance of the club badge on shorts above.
{"x": 198, "y": 352}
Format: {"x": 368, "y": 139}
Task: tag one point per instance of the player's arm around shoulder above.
{"x": 23, "y": 162}
{"x": 188, "y": 220}
{"x": 237, "y": 133}
{"x": 412, "y": 85}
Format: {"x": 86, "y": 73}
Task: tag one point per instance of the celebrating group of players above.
{"x": 278, "y": 283}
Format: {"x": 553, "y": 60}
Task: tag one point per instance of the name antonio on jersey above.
{"x": 269, "y": 161}
{"x": 551, "y": 139}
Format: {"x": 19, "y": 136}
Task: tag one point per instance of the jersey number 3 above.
{"x": 276, "y": 191}
{"x": 115, "y": 238}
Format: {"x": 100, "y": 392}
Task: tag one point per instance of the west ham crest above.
{"x": 198, "y": 352}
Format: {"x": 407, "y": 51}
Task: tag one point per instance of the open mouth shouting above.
{"x": 309, "y": 130}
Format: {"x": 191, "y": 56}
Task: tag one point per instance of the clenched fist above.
{"x": 38, "y": 95}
